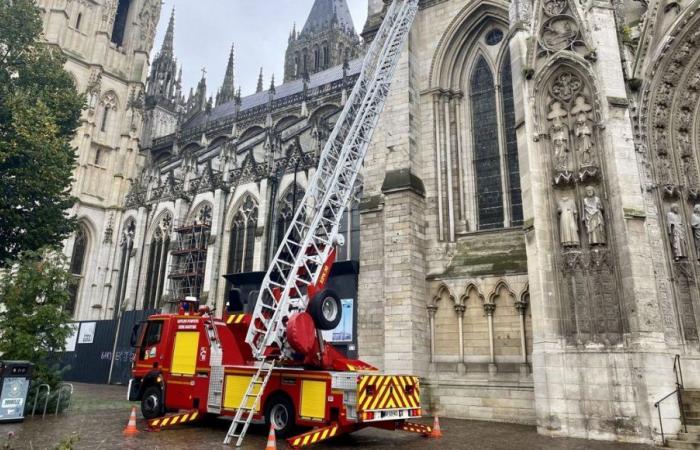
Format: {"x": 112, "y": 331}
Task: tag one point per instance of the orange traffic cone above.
{"x": 436, "y": 433}
{"x": 271, "y": 439}
{"x": 130, "y": 429}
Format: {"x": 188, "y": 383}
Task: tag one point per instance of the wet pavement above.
{"x": 100, "y": 413}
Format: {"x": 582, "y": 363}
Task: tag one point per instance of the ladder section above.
{"x": 216, "y": 376}
{"x": 249, "y": 403}
{"x": 314, "y": 228}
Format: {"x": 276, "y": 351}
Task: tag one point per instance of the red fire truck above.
{"x": 173, "y": 372}
{"x": 273, "y": 365}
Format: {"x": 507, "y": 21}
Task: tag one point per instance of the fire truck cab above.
{"x": 193, "y": 362}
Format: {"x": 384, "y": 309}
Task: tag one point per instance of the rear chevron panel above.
{"x": 388, "y": 392}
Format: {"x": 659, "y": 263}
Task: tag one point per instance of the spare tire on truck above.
{"x": 326, "y": 309}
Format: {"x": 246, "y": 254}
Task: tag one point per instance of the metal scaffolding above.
{"x": 189, "y": 261}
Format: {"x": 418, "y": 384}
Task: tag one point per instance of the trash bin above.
{"x": 15, "y": 377}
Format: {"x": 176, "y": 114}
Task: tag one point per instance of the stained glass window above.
{"x": 487, "y": 165}
{"x": 516, "y": 200}
{"x": 242, "y": 245}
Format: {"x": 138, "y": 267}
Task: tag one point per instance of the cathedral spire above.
{"x": 327, "y": 14}
{"x": 228, "y": 90}
{"x": 260, "y": 82}
{"x": 328, "y": 28}
{"x": 168, "y": 42}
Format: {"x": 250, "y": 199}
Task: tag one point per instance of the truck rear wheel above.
{"x": 326, "y": 310}
{"x": 152, "y": 403}
{"x": 279, "y": 411}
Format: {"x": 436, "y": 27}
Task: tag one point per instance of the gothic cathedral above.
{"x": 528, "y": 235}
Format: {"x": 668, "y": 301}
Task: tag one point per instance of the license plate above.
{"x": 391, "y": 414}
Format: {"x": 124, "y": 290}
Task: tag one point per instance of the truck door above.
{"x": 149, "y": 348}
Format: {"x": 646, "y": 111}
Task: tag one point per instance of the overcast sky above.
{"x": 205, "y": 30}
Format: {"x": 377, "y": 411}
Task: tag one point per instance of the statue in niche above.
{"x": 593, "y": 217}
{"x": 568, "y": 222}
{"x": 559, "y": 135}
{"x": 582, "y": 130}
{"x": 676, "y": 233}
{"x": 695, "y": 224}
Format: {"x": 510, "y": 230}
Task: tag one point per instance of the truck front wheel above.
{"x": 279, "y": 412}
{"x": 152, "y": 403}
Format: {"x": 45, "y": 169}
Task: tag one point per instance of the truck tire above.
{"x": 326, "y": 310}
{"x": 279, "y": 411}
{"x": 152, "y": 403}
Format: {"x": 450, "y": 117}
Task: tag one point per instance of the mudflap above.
{"x": 416, "y": 428}
{"x": 173, "y": 420}
{"x": 315, "y": 436}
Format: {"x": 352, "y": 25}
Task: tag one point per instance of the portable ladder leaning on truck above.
{"x": 302, "y": 262}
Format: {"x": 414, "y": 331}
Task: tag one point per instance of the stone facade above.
{"x": 529, "y": 229}
{"x": 555, "y": 316}
{"x": 107, "y": 44}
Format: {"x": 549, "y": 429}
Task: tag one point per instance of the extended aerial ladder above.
{"x": 299, "y": 268}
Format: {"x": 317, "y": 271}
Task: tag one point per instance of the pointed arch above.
{"x": 459, "y": 38}
{"x": 444, "y": 325}
{"x": 477, "y": 172}
{"x": 442, "y": 291}
{"x": 201, "y": 213}
{"x": 501, "y": 286}
{"x": 472, "y": 288}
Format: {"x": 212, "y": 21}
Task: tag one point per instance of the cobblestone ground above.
{"x": 100, "y": 413}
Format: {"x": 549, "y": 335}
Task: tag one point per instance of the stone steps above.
{"x": 691, "y": 408}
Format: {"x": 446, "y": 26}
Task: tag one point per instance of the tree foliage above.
{"x": 39, "y": 113}
{"x": 33, "y": 319}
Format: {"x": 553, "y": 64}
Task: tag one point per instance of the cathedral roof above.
{"x": 328, "y": 13}
{"x": 290, "y": 88}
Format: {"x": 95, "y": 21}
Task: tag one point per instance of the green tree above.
{"x": 39, "y": 113}
{"x": 33, "y": 320}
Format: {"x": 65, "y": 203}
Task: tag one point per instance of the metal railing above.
{"x": 678, "y": 392}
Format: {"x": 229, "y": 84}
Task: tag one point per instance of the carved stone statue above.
{"x": 676, "y": 233}
{"x": 695, "y": 224}
{"x": 593, "y": 217}
{"x": 559, "y": 135}
{"x": 568, "y": 222}
{"x": 583, "y": 131}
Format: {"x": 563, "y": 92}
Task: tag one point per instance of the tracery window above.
{"x": 157, "y": 259}
{"x": 242, "y": 244}
{"x": 287, "y": 207}
{"x": 478, "y": 175}
{"x": 77, "y": 265}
